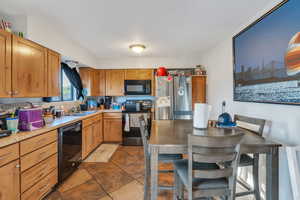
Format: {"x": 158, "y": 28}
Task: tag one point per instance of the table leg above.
{"x": 154, "y": 172}
{"x": 272, "y": 179}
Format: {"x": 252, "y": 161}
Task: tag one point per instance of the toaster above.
{"x": 30, "y": 119}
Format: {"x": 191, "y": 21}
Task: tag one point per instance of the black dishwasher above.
{"x": 69, "y": 150}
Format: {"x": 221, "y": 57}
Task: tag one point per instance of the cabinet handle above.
{"x": 9, "y": 92}
{"x": 44, "y": 187}
{"x": 18, "y": 166}
{"x": 16, "y": 92}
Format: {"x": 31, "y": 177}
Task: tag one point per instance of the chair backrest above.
{"x": 255, "y": 125}
{"x": 224, "y": 150}
{"x": 144, "y": 135}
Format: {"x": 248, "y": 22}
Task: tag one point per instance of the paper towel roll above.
{"x": 201, "y": 115}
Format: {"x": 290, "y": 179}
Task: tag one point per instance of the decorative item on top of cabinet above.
{"x": 115, "y": 82}
{"x": 5, "y": 64}
{"x": 112, "y": 127}
{"x": 53, "y": 73}
{"x": 139, "y": 74}
{"x": 29, "y": 67}
{"x": 198, "y": 89}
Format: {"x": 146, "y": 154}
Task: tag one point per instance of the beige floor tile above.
{"x": 103, "y": 153}
{"x": 131, "y": 191}
{"x": 79, "y": 177}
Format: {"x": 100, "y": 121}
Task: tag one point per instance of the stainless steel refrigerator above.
{"x": 173, "y": 97}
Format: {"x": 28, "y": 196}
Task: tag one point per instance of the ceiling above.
{"x": 169, "y": 28}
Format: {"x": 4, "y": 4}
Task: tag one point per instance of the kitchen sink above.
{"x": 82, "y": 113}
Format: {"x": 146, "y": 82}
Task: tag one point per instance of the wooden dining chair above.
{"x": 256, "y": 126}
{"x": 162, "y": 158}
{"x": 200, "y": 175}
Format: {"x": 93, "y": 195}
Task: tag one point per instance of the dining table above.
{"x": 171, "y": 136}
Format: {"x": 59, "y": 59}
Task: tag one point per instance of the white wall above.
{"x": 284, "y": 119}
{"x": 149, "y": 62}
{"x": 41, "y": 31}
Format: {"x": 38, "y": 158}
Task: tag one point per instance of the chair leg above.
{"x": 147, "y": 180}
{"x": 176, "y": 186}
{"x": 255, "y": 176}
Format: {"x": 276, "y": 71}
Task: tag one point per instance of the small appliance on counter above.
{"x": 107, "y": 102}
{"x": 30, "y": 119}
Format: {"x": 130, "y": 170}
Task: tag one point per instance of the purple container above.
{"x": 30, "y": 119}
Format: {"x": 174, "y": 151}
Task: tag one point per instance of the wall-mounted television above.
{"x": 267, "y": 57}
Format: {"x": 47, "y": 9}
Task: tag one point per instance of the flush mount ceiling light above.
{"x": 137, "y": 48}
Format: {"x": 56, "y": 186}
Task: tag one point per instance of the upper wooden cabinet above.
{"x": 198, "y": 89}
{"x": 29, "y": 67}
{"x": 139, "y": 74}
{"x": 115, "y": 82}
{"x": 101, "y": 74}
{"x": 53, "y": 73}
{"x": 93, "y": 80}
{"x": 5, "y": 64}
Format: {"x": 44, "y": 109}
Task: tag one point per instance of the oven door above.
{"x": 137, "y": 87}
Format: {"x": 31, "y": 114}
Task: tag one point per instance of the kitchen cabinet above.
{"x": 139, "y": 74}
{"x": 101, "y": 74}
{"x": 10, "y": 181}
{"x": 87, "y": 140}
{"x": 93, "y": 81}
{"x": 198, "y": 89}
{"x": 112, "y": 127}
{"x": 92, "y": 134}
{"x": 5, "y": 64}
{"x": 53, "y": 73}
{"x": 29, "y": 67}
{"x": 115, "y": 82}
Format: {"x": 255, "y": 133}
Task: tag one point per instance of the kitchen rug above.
{"x": 103, "y": 153}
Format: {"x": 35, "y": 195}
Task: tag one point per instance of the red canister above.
{"x": 162, "y": 71}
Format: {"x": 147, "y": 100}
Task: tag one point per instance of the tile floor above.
{"x": 119, "y": 179}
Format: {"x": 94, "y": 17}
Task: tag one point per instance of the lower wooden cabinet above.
{"x": 10, "y": 181}
{"x": 41, "y": 189}
{"x": 112, "y": 127}
{"x": 92, "y": 135}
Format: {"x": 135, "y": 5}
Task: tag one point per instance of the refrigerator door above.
{"x": 164, "y": 98}
{"x": 183, "y": 97}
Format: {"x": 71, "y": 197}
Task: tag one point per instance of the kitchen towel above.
{"x": 126, "y": 127}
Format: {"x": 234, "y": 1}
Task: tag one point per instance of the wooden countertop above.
{"x": 57, "y": 123}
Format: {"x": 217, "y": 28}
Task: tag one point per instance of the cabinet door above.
{"x": 29, "y": 68}
{"x": 101, "y": 82}
{"x": 87, "y": 140}
{"x": 5, "y": 64}
{"x": 98, "y": 134}
{"x": 112, "y": 130}
{"x": 10, "y": 181}
{"x": 138, "y": 74}
{"x": 115, "y": 82}
{"x": 95, "y": 87}
{"x": 53, "y": 72}
{"x": 198, "y": 89}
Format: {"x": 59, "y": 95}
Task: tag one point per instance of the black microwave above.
{"x": 137, "y": 87}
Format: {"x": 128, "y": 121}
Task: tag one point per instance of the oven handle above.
{"x": 70, "y": 127}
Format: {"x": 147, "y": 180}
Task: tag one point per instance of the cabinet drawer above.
{"x": 36, "y": 173}
{"x": 112, "y": 115}
{"x": 37, "y": 156}
{"x": 90, "y": 120}
{"x": 40, "y": 190}
{"x": 9, "y": 153}
{"x": 37, "y": 142}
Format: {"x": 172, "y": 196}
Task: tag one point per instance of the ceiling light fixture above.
{"x": 137, "y": 48}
